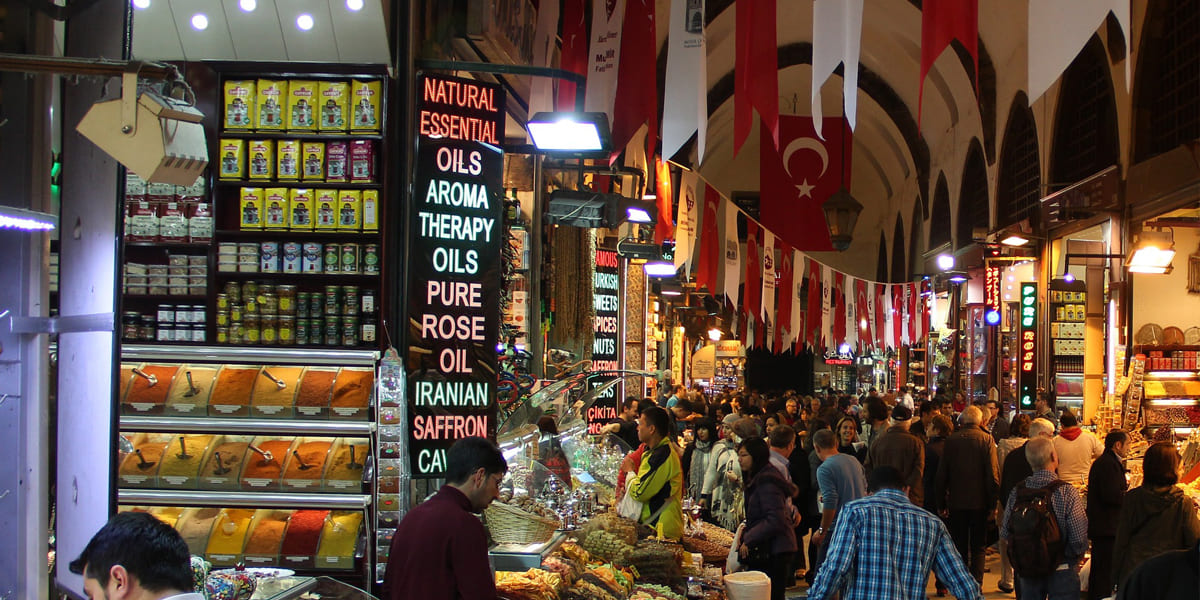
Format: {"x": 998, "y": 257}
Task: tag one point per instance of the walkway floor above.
{"x": 990, "y": 579}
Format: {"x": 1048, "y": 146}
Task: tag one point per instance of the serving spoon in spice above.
{"x": 143, "y": 464}
{"x": 278, "y": 382}
{"x": 147, "y": 376}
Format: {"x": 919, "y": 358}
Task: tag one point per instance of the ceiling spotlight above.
{"x": 304, "y": 22}
{"x": 199, "y": 22}
{"x": 248, "y": 5}
{"x": 141, "y": 4}
{"x": 354, "y": 5}
{"x": 945, "y": 262}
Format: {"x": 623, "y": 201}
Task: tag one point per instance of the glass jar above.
{"x": 250, "y": 305}
{"x": 222, "y": 301}
{"x": 233, "y": 292}
{"x": 316, "y": 305}
{"x": 287, "y": 299}
{"x": 251, "y": 332}
{"x": 130, "y": 326}
{"x": 368, "y": 299}
{"x": 349, "y": 331}
{"x": 249, "y": 290}
{"x": 165, "y": 332}
{"x": 302, "y": 332}
{"x": 287, "y": 330}
{"x": 350, "y": 300}
{"x": 332, "y": 297}
{"x": 148, "y": 330}
{"x": 268, "y": 303}
{"x": 367, "y": 331}
{"x": 333, "y": 331}
{"x": 302, "y": 305}
{"x": 269, "y": 329}
{"x": 222, "y": 335}
{"x": 223, "y": 318}
{"x": 235, "y": 313}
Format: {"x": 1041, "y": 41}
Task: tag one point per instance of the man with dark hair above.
{"x": 840, "y": 478}
{"x": 900, "y": 449}
{"x": 1043, "y": 408}
{"x": 625, "y": 427}
{"x": 440, "y": 550}
{"x": 877, "y": 417}
{"x": 1105, "y": 494}
{"x": 884, "y": 546}
{"x": 135, "y": 556}
{"x": 923, "y": 427}
{"x": 1076, "y": 448}
{"x": 659, "y": 481}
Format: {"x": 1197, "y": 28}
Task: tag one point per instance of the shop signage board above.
{"x": 991, "y": 289}
{"x": 454, "y": 294}
{"x": 606, "y": 299}
{"x": 1027, "y": 378}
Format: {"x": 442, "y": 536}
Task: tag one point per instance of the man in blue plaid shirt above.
{"x": 884, "y": 546}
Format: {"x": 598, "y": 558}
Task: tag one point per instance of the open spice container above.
{"x": 263, "y": 463}
{"x": 303, "y": 536}
{"x": 126, "y": 380}
{"x": 224, "y": 464}
{"x": 148, "y": 389}
{"x": 195, "y": 525}
{"x": 190, "y": 393}
{"x": 266, "y": 535}
{"x": 316, "y": 389}
{"x": 140, "y": 467}
{"x": 275, "y": 390}
{"x": 352, "y": 394}
{"x": 231, "y": 393}
{"x": 306, "y": 463}
{"x": 228, "y": 536}
{"x": 340, "y": 539}
{"x": 182, "y": 459}
{"x": 348, "y": 460}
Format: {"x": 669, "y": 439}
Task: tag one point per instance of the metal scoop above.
{"x": 124, "y": 444}
{"x": 143, "y": 464}
{"x": 192, "y": 389}
{"x": 183, "y": 455}
{"x": 278, "y": 382}
{"x": 221, "y": 469}
{"x": 266, "y": 456}
{"x": 303, "y": 465}
{"x": 353, "y": 464}
{"x": 148, "y": 377}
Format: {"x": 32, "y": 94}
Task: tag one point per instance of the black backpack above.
{"x": 1035, "y": 545}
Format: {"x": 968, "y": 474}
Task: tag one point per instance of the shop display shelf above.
{"x": 289, "y": 235}
{"x": 515, "y": 557}
{"x": 160, "y": 297}
{"x": 247, "y": 426}
{"x": 242, "y": 499}
{"x": 312, "y": 136}
{"x": 316, "y": 185}
{"x": 299, "y": 355}
{"x": 300, "y": 278}
{"x": 187, "y": 245}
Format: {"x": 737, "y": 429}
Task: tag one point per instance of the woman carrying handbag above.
{"x": 769, "y": 539}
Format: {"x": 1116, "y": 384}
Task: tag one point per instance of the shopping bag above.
{"x": 733, "y": 563}
{"x": 628, "y": 507}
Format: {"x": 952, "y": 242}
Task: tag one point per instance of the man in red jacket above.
{"x": 440, "y": 550}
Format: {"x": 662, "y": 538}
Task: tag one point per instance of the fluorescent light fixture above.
{"x": 27, "y": 220}
{"x": 1172, "y": 402}
{"x": 141, "y": 4}
{"x": 247, "y": 5}
{"x": 945, "y": 262}
{"x": 570, "y": 132}
{"x": 199, "y": 22}
{"x": 354, "y": 5}
{"x": 714, "y": 334}
{"x": 1152, "y": 253}
{"x": 637, "y": 215}
{"x": 1014, "y": 240}
{"x": 659, "y": 268}
{"x": 1174, "y": 374}
{"x": 304, "y": 22}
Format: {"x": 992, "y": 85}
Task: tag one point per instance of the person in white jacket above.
{"x": 1076, "y": 449}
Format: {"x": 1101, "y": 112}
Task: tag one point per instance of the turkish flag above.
{"x": 785, "y": 292}
{"x": 664, "y": 228}
{"x": 862, "y": 313}
{"x": 880, "y": 292}
{"x": 911, "y": 296}
{"x": 839, "y": 309}
{"x": 637, "y": 85}
{"x": 923, "y": 307}
{"x": 753, "y": 293}
{"x": 898, "y": 313}
{"x": 796, "y": 180}
{"x": 710, "y": 244}
{"x": 812, "y": 320}
{"x": 943, "y": 21}
{"x": 756, "y": 70}
{"x": 574, "y": 54}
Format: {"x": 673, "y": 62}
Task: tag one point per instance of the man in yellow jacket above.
{"x": 659, "y": 482}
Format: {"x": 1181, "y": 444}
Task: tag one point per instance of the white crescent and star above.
{"x": 805, "y": 143}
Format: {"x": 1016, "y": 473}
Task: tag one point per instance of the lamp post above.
{"x": 841, "y": 214}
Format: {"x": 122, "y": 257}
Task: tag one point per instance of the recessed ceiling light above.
{"x": 354, "y": 5}
{"x": 199, "y": 22}
{"x": 142, "y": 4}
{"x": 304, "y": 22}
{"x": 248, "y": 5}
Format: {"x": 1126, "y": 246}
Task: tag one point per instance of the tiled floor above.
{"x": 990, "y": 579}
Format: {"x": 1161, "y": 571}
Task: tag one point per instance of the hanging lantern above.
{"x": 841, "y": 214}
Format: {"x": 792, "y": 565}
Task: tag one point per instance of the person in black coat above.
{"x": 1106, "y": 492}
{"x": 769, "y": 538}
{"x": 1171, "y": 576}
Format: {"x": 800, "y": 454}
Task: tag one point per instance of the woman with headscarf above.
{"x": 697, "y": 455}
{"x": 769, "y": 539}
{"x": 722, "y": 490}
{"x": 1157, "y": 516}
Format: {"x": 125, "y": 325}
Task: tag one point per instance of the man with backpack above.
{"x": 1046, "y": 528}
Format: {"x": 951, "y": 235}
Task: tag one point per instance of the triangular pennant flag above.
{"x": 710, "y": 244}
{"x": 1059, "y": 29}
{"x": 686, "y": 86}
{"x": 814, "y": 313}
{"x": 943, "y": 21}
{"x": 785, "y": 298}
{"x": 753, "y": 271}
{"x": 850, "y": 289}
{"x": 685, "y": 227}
{"x": 636, "y": 102}
{"x": 604, "y": 57}
{"x": 732, "y": 262}
{"x": 797, "y": 301}
{"x": 889, "y": 316}
{"x": 756, "y": 70}
{"x": 573, "y": 56}
{"x": 837, "y": 39}
{"x": 828, "y": 308}
{"x": 768, "y": 277}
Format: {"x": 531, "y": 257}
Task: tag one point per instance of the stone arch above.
{"x": 916, "y": 246}
{"x": 899, "y": 257}
{"x": 973, "y": 206}
{"x": 1019, "y": 185}
{"x": 1086, "y": 139}
{"x": 1165, "y": 97}
{"x": 881, "y": 266}
{"x": 939, "y": 221}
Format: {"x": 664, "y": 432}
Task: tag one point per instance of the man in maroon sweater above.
{"x": 440, "y": 551}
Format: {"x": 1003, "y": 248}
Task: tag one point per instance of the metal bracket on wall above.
{"x": 68, "y": 324}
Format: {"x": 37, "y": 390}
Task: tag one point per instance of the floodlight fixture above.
{"x": 1153, "y": 253}
{"x": 27, "y": 220}
{"x": 571, "y": 133}
{"x": 1015, "y": 240}
{"x": 659, "y": 268}
{"x": 945, "y": 262}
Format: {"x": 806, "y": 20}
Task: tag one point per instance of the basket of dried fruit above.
{"x": 525, "y": 522}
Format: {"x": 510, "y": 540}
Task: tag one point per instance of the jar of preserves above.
{"x": 287, "y": 330}
{"x": 367, "y": 330}
{"x": 235, "y": 313}
{"x": 222, "y": 301}
{"x": 287, "y": 299}
{"x": 233, "y": 292}
{"x": 250, "y": 305}
{"x": 223, "y": 318}
{"x": 368, "y": 300}
{"x": 349, "y": 331}
{"x": 148, "y": 330}
{"x": 222, "y": 335}
{"x": 350, "y": 300}
{"x": 332, "y": 300}
{"x": 251, "y": 331}
{"x": 130, "y": 325}
{"x": 268, "y": 303}
{"x": 236, "y": 336}
{"x": 268, "y": 329}
{"x": 249, "y": 290}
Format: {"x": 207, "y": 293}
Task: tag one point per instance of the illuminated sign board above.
{"x": 454, "y": 262}
{"x": 1027, "y": 358}
{"x": 606, "y": 300}
{"x": 991, "y": 290}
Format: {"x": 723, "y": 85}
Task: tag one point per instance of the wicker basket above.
{"x": 511, "y": 525}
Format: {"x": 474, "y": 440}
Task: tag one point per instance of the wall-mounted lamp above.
{"x": 945, "y": 262}
{"x": 957, "y": 277}
{"x": 571, "y": 133}
{"x": 1152, "y": 253}
{"x": 659, "y": 268}
{"x": 714, "y": 334}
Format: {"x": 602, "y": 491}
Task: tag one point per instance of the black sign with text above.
{"x": 606, "y": 287}
{"x": 454, "y": 292}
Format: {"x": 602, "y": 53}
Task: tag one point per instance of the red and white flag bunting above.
{"x": 686, "y": 85}
{"x": 768, "y": 278}
{"x": 604, "y": 56}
